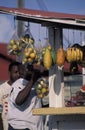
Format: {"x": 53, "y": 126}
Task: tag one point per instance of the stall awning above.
{"x": 55, "y": 19}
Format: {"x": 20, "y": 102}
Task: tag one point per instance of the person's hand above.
{"x": 39, "y": 67}
{"x": 35, "y": 75}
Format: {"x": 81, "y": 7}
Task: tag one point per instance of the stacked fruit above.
{"x": 74, "y": 54}
{"x": 42, "y": 88}
{"x": 13, "y": 47}
{"x": 29, "y": 55}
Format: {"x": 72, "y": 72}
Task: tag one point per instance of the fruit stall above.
{"x": 53, "y": 57}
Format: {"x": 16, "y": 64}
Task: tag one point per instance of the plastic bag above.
{"x": 13, "y": 46}
{"x": 29, "y": 55}
{"x": 26, "y": 39}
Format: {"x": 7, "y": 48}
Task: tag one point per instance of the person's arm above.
{"x": 1, "y": 123}
{"x": 23, "y": 94}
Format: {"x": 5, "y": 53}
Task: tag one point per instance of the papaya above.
{"x": 47, "y": 59}
{"x": 60, "y": 57}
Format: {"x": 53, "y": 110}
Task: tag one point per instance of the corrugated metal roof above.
{"x": 62, "y": 19}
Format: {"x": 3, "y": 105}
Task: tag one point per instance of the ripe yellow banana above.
{"x": 81, "y": 55}
{"x": 74, "y": 55}
{"x": 68, "y": 54}
{"x": 78, "y": 54}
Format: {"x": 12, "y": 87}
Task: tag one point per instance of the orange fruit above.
{"x": 30, "y": 49}
{"x": 26, "y": 54}
{"x": 12, "y": 41}
{"x": 41, "y": 95}
{"x": 29, "y": 60}
{"x": 25, "y": 60}
{"x": 20, "y": 48}
{"x": 44, "y": 90}
{"x": 14, "y": 47}
{"x": 32, "y": 55}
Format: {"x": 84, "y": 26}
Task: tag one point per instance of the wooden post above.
{"x": 56, "y": 84}
{"x": 20, "y": 26}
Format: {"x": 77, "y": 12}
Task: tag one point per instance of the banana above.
{"x": 74, "y": 54}
{"x": 68, "y": 54}
{"x": 81, "y": 55}
{"x": 78, "y": 54}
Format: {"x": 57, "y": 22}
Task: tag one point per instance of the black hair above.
{"x": 15, "y": 63}
{"x": 30, "y": 67}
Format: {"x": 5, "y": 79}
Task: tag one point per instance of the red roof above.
{"x": 38, "y": 13}
{"x": 46, "y": 18}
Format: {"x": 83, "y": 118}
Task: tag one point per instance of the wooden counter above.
{"x": 59, "y": 111}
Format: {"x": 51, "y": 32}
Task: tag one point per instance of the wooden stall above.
{"x": 60, "y": 117}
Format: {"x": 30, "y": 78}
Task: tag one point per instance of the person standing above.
{"x": 23, "y": 99}
{"x": 5, "y": 88}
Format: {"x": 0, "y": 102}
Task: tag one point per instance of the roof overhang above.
{"x": 59, "y": 20}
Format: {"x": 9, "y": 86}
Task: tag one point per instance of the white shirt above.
{"x": 21, "y": 117}
{"x": 4, "y": 94}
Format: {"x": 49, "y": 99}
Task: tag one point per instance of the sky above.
{"x": 7, "y": 26}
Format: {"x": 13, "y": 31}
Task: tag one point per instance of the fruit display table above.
{"x": 59, "y": 111}
{"x": 70, "y": 118}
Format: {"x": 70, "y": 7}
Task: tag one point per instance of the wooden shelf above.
{"x": 59, "y": 111}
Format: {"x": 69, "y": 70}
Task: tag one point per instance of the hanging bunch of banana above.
{"x": 74, "y": 54}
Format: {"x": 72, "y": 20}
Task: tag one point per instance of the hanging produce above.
{"x": 47, "y": 59}
{"x": 53, "y": 53}
{"x": 74, "y": 54}
{"x": 60, "y": 57}
{"x": 42, "y": 88}
{"x": 13, "y": 46}
{"x": 29, "y": 55}
{"x": 25, "y": 40}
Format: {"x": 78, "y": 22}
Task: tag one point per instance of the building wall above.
{"x": 4, "y": 62}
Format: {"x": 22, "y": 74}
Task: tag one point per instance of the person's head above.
{"x": 22, "y": 70}
{"x": 14, "y": 73}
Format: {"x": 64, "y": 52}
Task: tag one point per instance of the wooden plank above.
{"x": 59, "y": 111}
